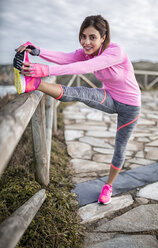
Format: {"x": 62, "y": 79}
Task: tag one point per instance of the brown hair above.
{"x": 100, "y": 24}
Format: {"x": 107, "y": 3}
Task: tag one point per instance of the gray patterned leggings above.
{"x": 100, "y": 99}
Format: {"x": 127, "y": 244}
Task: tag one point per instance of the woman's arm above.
{"x": 109, "y": 57}
{"x": 62, "y": 58}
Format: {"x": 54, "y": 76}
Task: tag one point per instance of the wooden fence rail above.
{"x": 146, "y": 84}
{"x": 14, "y": 119}
{"x": 13, "y": 227}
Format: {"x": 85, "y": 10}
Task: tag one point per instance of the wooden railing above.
{"x": 14, "y": 118}
{"x": 147, "y": 84}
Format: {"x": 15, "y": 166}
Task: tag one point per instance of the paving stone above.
{"x": 141, "y": 200}
{"x": 95, "y": 123}
{"x": 150, "y": 191}
{"x": 104, "y": 151}
{"x": 138, "y": 135}
{"x": 92, "y": 238}
{"x": 133, "y": 146}
{"x": 139, "y": 219}
{"x": 76, "y": 179}
{"x": 153, "y": 116}
{"x": 153, "y": 143}
{"x": 87, "y": 166}
{"x": 85, "y": 127}
{"x": 96, "y": 116}
{"x": 88, "y": 192}
{"x": 101, "y": 134}
{"x": 79, "y": 150}
{"x": 127, "y": 241}
{"x": 95, "y": 142}
{"x": 74, "y": 115}
{"x": 144, "y": 140}
{"x": 94, "y": 211}
{"x": 145, "y": 122}
{"x": 73, "y": 134}
{"x": 140, "y": 161}
{"x": 102, "y": 158}
{"x": 139, "y": 154}
{"x": 151, "y": 153}
{"x": 133, "y": 166}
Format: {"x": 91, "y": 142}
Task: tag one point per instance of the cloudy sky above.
{"x": 54, "y": 25}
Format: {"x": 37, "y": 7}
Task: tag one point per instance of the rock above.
{"x": 151, "y": 153}
{"x": 79, "y": 150}
{"x": 140, "y": 161}
{"x": 133, "y": 146}
{"x": 102, "y": 158}
{"x": 94, "y": 211}
{"x": 73, "y": 134}
{"x": 127, "y": 241}
{"x": 139, "y": 154}
{"x": 139, "y": 219}
{"x": 141, "y": 200}
{"x": 92, "y": 238}
{"x": 145, "y": 122}
{"x": 133, "y": 166}
{"x": 85, "y": 127}
{"x": 150, "y": 191}
{"x": 153, "y": 143}
{"x": 95, "y": 142}
{"x": 85, "y": 166}
{"x": 104, "y": 151}
{"x": 101, "y": 134}
{"x": 144, "y": 140}
{"x": 97, "y": 116}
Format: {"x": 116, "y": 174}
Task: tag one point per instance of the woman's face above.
{"x": 91, "y": 40}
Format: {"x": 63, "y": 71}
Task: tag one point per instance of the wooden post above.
{"x": 78, "y": 81}
{"x": 49, "y": 124}
{"x": 55, "y": 116}
{"x": 40, "y": 146}
{"x": 146, "y": 80}
{"x": 87, "y": 81}
{"x": 12, "y": 229}
{"x": 49, "y": 118}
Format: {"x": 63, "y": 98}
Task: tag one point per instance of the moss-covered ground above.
{"x": 56, "y": 224}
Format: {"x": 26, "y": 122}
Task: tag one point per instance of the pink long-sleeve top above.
{"x": 112, "y": 67}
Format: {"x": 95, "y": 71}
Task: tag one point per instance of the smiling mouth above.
{"x": 88, "y": 48}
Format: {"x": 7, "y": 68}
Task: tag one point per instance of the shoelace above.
{"x": 106, "y": 190}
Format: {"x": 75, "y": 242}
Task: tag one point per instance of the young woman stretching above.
{"x": 119, "y": 94}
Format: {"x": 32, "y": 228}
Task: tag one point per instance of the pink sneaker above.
{"x": 105, "y": 195}
{"x": 22, "y": 83}
{"x": 25, "y": 84}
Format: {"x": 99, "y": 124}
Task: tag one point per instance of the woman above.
{"x": 120, "y": 92}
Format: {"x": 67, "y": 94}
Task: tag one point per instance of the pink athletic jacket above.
{"x": 112, "y": 68}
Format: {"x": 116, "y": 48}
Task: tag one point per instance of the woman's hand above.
{"x": 28, "y": 46}
{"x": 35, "y": 70}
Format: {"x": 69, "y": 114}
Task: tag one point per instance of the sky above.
{"x": 55, "y": 24}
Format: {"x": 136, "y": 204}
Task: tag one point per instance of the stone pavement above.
{"x": 131, "y": 220}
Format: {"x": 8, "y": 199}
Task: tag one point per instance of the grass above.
{"x": 56, "y": 224}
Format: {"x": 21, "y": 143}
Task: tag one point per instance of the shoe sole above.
{"x": 104, "y": 203}
{"x": 19, "y": 81}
